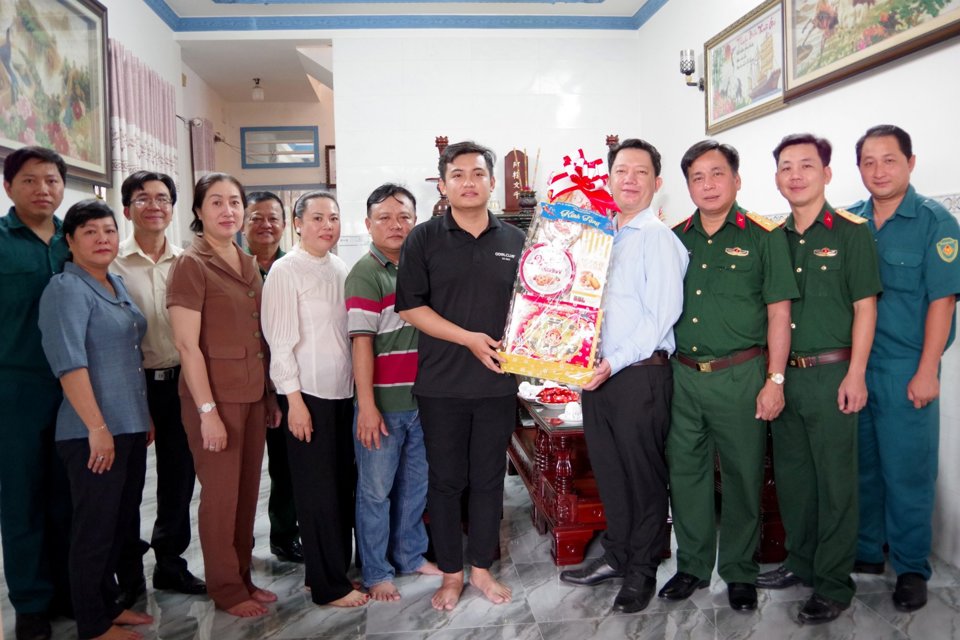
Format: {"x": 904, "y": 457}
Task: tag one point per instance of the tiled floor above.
{"x": 542, "y": 607}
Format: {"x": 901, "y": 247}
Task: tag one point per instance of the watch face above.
{"x": 776, "y": 377}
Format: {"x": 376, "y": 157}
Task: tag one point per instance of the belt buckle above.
{"x": 705, "y": 367}
{"x": 162, "y": 375}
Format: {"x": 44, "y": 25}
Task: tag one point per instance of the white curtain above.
{"x": 143, "y": 120}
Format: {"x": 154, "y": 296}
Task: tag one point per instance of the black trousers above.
{"x": 326, "y": 478}
{"x": 176, "y": 479}
{"x": 103, "y": 507}
{"x": 280, "y": 508}
{"x": 466, "y": 441}
{"x": 626, "y": 422}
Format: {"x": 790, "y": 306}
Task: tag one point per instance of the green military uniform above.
{"x": 733, "y": 275}
{"x": 814, "y": 443}
{"x": 34, "y": 492}
{"x": 280, "y": 508}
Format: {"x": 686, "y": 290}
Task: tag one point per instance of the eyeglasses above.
{"x": 257, "y": 221}
{"x": 159, "y": 201}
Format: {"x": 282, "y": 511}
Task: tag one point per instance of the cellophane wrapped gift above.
{"x": 553, "y": 328}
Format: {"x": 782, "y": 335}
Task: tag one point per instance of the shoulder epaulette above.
{"x": 762, "y": 221}
{"x": 685, "y": 221}
{"x": 850, "y": 217}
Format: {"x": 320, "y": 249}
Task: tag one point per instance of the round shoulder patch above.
{"x": 947, "y": 249}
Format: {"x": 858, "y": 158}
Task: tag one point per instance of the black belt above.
{"x": 709, "y": 366}
{"x": 659, "y": 357}
{"x": 163, "y": 375}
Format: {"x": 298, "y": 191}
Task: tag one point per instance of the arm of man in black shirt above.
{"x": 482, "y": 346}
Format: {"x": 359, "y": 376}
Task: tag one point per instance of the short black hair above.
{"x": 881, "y": 130}
{"x": 705, "y": 146}
{"x": 200, "y": 192}
{"x": 300, "y": 207}
{"x": 83, "y": 212}
{"x": 15, "y": 161}
{"x": 389, "y": 190}
{"x": 635, "y": 143}
{"x": 824, "y": 148}
{"x": 453, "y": 151}
{"x": 259, "y": 196}
{"x": 136, "y": 181}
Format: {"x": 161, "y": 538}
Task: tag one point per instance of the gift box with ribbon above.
{"x": 553, "y": 328}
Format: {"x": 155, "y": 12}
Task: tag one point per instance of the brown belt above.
{"x": 659, "y": 357}
{"x": 827, "y": 357}
{"x": 720, "y": 363}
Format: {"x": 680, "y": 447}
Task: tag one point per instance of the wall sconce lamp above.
{"x": 688, "y": 65}
{"x": 257, "y": 92}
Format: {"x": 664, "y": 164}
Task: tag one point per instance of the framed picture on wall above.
{"x": 744, "y": 68}
{"x": 830, "y": 41}
{"x": 53, "y": 83}
{"x": 330, "y": 165}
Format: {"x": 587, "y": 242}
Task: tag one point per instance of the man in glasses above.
{"x": 144, "y": 260}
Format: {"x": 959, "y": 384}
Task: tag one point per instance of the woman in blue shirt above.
{"x": 91, "y": 335}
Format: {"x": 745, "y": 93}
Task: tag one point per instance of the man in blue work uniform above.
{"x": 34, "y": 493}
{"x": 917, "y": 242}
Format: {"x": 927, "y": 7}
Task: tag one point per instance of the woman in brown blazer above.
{"x": 213, "y": 294}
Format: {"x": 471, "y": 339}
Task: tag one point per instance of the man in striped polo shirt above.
{"x": 391, "y": 458}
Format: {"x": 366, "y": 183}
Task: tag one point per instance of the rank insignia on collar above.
{"x": 826, "y": 252}
{"x": 737, "y": 251}
{"x": 947, "y": 249}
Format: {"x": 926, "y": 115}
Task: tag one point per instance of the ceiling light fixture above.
{"x": 257, "y": 92}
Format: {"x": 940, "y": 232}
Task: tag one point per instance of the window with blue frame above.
{"x": 279, "y": 147}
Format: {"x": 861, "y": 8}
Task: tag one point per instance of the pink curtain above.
{"x": 143, "y": 120}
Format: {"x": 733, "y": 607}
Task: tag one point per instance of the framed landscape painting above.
{"x": 830, "y": 40}
{"x": 53, "y": 82}
{"x": 744, "y": 68}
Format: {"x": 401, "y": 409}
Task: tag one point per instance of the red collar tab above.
{"x": 828, "y": 220}
{"x": 741, "y": 220}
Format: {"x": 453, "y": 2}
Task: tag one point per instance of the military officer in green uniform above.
{"x": 736, "y": 308}
{"x": 34, "y": 492}
{"x": 815, "y": 438}
{"x": 899, "y": 433}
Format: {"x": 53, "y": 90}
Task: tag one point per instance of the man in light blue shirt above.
{"x": 626, "y": 406}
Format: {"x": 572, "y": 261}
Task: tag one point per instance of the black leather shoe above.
{"x": 33, "y": 626}
{"x": 681, "y": 586}
{"x": 911, "y": 592}
{"x": 819, "y": 609}
{"x": 290, "y": 551}
{"x": 635, "y": 595}
{"x": 875, "y": 568}
{"x": 593, "y": 573}
{"x": 742, "y": 596}
{"x": 779, "y": 578}
{"x": 181, "y": 581}
{"x": 129, "y": 596}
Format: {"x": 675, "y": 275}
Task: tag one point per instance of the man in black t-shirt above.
{"x": 454, "y": 284}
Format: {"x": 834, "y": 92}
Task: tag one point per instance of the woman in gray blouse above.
{"x": 91, "y": 335}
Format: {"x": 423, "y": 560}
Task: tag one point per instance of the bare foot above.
{"x": 429, "y": 569}
{"x": 448, "y": 595}
{"x": 263, "y": 596}
{"x": 116, "y": 633}
{"x": 384, "y": 592}
{"x": 132, "y": 617}
{"x": 247, "y": 609}
{"x": 353, "y": 599}
{"x": 495, "y": 592}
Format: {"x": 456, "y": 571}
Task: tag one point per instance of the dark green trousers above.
{"x": 280, "y": 508}
{"x": 713, "y": 413}
{"x": 815, "y": 466}
{"x": 34, "y": 499}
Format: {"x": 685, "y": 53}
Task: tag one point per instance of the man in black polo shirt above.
{"x": 454, "y": 284}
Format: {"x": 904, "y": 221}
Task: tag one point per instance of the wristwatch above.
{"x": 207, "y": 407}
{"x": 777, "y": 378}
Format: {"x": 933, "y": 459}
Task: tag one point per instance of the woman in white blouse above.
{"x": 305, "y": 322}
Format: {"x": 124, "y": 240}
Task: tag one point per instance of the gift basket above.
{"x": 553, "y": 328}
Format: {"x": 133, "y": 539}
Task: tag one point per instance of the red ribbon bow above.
{"x": 582, "y": 175}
